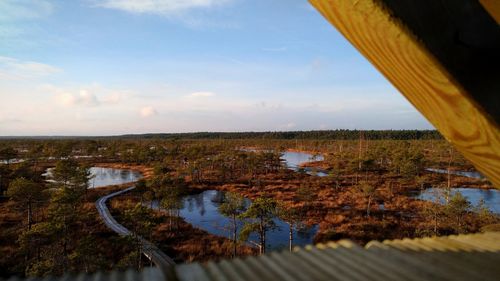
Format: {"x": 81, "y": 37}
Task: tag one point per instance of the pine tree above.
{"x": 292, "y": 216}
{"x": 233, "y": 206}
{"x": 26, "y": 193}
{"x": 260, "y": 219}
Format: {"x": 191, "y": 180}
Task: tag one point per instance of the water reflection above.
{"x": 108, "y": 176}
{"x": 201, "y": 211}
{"x": 491, "y": 197}
{"x": 293, "y": 160}
{"x": 12, "y": 161}
{"x": 474, "y": 175}
{"x": 105, "y": 176}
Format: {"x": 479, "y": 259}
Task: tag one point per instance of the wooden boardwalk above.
{"x": 153, "y": 253}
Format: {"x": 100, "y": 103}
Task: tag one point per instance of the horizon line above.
{"x": 207, "y": 132}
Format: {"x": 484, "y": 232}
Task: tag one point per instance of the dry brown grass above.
{"x": 189, "y": 244}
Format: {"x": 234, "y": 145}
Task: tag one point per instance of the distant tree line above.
{"x": 317, "y": 135}
{"x": 339, "y": 134}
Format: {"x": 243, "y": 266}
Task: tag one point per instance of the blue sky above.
{"x": 88, "y": 67}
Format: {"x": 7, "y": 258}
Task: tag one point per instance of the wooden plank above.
{"x": 493, "y": 8}
{"x": 404, "y": 60}
{"x": 463, "y": 38}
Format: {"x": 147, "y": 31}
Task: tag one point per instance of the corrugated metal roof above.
{"x": 462, "y": 257}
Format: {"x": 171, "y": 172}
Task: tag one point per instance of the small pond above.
{"x": 109, "y": 176}
{"x": 293, "y": 160}
{"x": 12, "y": 161}
{"x": 473, "y": 174}
{"x": 106, "y": 176}
{"x": 201, "y": 211}
{"x": 491, "y": 197}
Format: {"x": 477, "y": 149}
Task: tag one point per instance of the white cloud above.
{"x": 87, "y": 99}
{"x": 18, "y": 23}
{"x": 15, "y": 69}
{"x": 159, "y": 7}
{"x": 65, "y": 99}
{"x": 201, "y": 95}
{"x": 113, "y": 98}
{"x": 83, "y": 98}
{"x": 14, "y": 10}
{"x": 87, "y": 96}
{"x": 148, "y": 111}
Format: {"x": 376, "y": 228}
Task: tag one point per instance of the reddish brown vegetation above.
{"x": 182, "y": 241}
{"x": 341, "y": 212}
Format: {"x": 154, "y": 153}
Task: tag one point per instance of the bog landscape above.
{"x": 205, "y": 196}
{"x": 249, "y": 140}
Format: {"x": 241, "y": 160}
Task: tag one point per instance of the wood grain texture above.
{"x": 414, "y": 71}
{"x": 493, "y": 8}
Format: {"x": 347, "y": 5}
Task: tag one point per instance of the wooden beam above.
{"x": 493, "y": 8}
{"x": 409, "y": 65}
{"x": 463, "y": 37}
